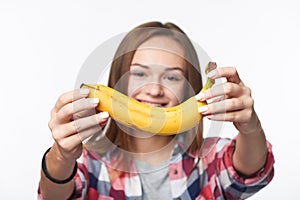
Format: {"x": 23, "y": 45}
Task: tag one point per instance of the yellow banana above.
{"x": 132, "y": 113}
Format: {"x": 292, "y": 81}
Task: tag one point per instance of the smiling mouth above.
{"x": 154, "y": 104}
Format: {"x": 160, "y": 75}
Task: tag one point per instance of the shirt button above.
{"x": 175, "y": 171}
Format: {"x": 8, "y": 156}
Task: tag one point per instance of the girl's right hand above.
{"x": 74, "y": 119}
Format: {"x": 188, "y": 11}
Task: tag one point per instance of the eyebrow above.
{"x": 167, "y": 69}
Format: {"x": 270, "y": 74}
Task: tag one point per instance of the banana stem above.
{"x": 209, "y": 82}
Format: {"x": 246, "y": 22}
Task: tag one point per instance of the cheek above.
{"x": 177, "y": 92}
{"x": 133, "y": 87}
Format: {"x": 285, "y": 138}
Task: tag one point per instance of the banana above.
{"x": 135, "y": 114}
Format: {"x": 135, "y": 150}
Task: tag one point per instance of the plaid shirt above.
{"x": 213, "y": 178}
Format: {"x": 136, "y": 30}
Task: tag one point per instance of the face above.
{"x": 157, "y": 73}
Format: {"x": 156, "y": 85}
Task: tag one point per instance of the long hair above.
{"x": 121, "y": 65}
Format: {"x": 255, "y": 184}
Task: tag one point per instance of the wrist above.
{"x": 251, "y": 127}
{"x": 45, "y": 169}
{"x": 257, "y": 129}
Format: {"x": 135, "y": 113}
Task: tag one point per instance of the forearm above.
{"x": 58, "y": 169}
{"x": 250, "y": 152}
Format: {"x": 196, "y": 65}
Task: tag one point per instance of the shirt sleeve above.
{"x": 234, "y": 184}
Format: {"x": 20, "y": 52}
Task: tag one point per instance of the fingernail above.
{"x": 103, "y": 115}
{"x": 94, "y": 100}
{"x": 84, "y": 91}
{"x": 212, "y": 73}
{"x": 200, "y": 96}
{"x": 202, "y": 109}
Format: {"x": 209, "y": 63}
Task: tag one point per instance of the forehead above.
{"x": 160, "y": 50}
{"x": 163, "y": 43}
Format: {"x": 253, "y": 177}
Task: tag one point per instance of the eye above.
{"x": 138, "y": 74}
{"x": 172, "y": 77}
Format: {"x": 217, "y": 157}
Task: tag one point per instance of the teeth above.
{"x": 153, "y": 104}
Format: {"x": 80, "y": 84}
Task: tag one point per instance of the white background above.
{"x": 44, "y": 44}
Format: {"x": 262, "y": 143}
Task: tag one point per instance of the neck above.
{"x": 153, "y": 149}
{"x": 151, "y": 144}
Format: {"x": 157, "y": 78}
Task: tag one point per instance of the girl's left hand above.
{"x": 230, "y": 101}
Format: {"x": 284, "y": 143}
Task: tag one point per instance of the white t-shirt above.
{"x": 154, "y": 180}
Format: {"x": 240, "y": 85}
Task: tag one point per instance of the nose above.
{"x": 154, "y": 89}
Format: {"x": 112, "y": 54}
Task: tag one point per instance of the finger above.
{"x": 65, "y": 138}
{"x": 70, "y": 143}
{"x": 227, "y": 89}
{"x": 83, "y": 135}
{"x": 67, "y": 133}
{"x": 227, "y": 105}
{"x": 236, "y": 116}
{"x": 84, "y": 113}
{"x": 84, "y": 107}
{"x": 217, "y": 99}
{"x": 67, "y": 112}
{"x": 82, "y": 124}
{"x": 230, "y": 73}
{"x": 69, "y": 97}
